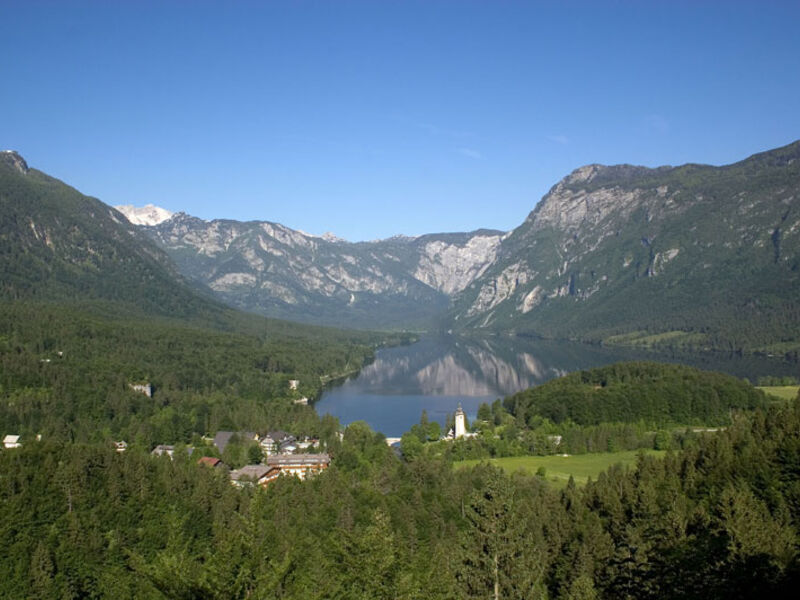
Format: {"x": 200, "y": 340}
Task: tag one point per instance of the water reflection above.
{"x": 436, "y": 374}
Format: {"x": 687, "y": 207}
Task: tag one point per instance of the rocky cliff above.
{"x": 706, "y": 255}
{"x": 271, "y": 269}
{"x": 690, "y": 256}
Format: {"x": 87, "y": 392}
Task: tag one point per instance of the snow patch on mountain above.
{"x": 149, "y": 214}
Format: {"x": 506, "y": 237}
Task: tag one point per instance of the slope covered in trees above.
{"x": 66, "y": 373}
{"x": 57, "y": 244}
{"x": 90, "y": 305}
{"x": 654, "y": 393}
{"x": 694, "y": 256}
{"x": 716, "y": 520}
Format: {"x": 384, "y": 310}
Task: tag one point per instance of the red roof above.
{"x": 211, "y": 461}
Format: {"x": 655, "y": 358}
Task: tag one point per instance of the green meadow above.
{"x": 558, "y": 469}
{"x": 784, "y": 392}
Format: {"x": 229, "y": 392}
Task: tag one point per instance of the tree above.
{"x": 254, "y": 454}
{"x": 493, "y": 551}
{"x": 434, "y": 431}
{"x": 485, "y": 412}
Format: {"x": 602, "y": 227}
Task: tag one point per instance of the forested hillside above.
{"x": 91, "y": 306}
{"x": 717, "y": 519}
{"x": 57, "y": 244}
{"x": 654, "y": 393}
{"x": 695, "y": 256}
{"x": 66, "y": 374}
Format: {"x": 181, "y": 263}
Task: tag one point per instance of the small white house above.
{"x": 144, "y": 388}
{"x": 11, "y": 441}
{"x": 293, "y": 383}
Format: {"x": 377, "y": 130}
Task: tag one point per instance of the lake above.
{"x": 437, "y": 374}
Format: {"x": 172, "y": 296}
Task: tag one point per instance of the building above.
{"x": 268, "y": 445}
{"x": 299, "y": 465}
{"x": 288, "y": 447}
{"x": 211, "y": 461}
{"x": 461, "y": 422}
{"x": 144, "y": 388}
{"x": 293, "y": 383}
{"x": 273, "y": 442}
{"x": 121, "y": 446}
{"x": 163, "y": 449}
{"x": 254, "y": 475}
{"x": 307, "y": 443}
{"x": 222, "y": 438}
{"x": 11, "y": 441}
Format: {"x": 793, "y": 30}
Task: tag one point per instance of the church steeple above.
{"x": 461, "y": 422}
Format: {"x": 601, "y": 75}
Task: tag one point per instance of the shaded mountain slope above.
{"x": 58, "y": 245}
{"x": 693, "y": 255}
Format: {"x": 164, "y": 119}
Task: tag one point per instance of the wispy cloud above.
{"x": 469, "y": 153}
{"x": 559, "y": 139}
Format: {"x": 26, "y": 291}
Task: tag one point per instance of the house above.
{"x": 254, "y": 475}
{"x": 121, "y": 446}
{"x": 211, "y": 461}
{"x": 12, "y": 441}
{"x": 268, "y": 445}
{"x": 144, "y": 388}
{"x": 274, "y": 440}
{"x": 293, "y": 383}
{"x": 302, "y": 401}
{"x": 288, "y": 447}
{"x": 555, "y": 440}
{"x": 163, "y": 449}
{"x": 299, "y": 465}
{"x": 223, "y": 437}
{"x": 280, "y": 436}
{"x": 307, "y": 443}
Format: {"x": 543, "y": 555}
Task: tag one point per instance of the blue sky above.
{"x": 370, "y": 119}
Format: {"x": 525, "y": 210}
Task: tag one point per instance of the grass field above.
{"x": 559, "y": 468}
{"x": 784, "y": 392}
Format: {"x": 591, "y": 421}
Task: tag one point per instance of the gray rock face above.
{"x": 606, "y": 251}
{"x": 450, "y": 268}
{"x": 608, "y": 246}
{"x": 12, "y": 158}
{"x": 277, "y": 271}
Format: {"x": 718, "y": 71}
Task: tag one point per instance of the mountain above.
{"x": 58, "y": 245}
{"x": 90, "y": 305}
{"x": 276, "y": 271}
{"x": 694, "y": 255}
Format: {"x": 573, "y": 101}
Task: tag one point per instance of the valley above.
{"x": 694, "y": 257}
{"x": 122, "y": 342}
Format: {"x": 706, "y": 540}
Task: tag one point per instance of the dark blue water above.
{"x": 438, "y": 374}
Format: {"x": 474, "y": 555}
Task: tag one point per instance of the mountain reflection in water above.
{"x": 437, "y": 374}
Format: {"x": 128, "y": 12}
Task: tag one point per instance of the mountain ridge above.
{"x": 695, "y": 256}
{"x": 584, "y": 262}
{"x": 271, "y": 269}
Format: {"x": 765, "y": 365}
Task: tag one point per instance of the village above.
{"x": 280, "y": 454}
{"x": 272, "y": 455}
